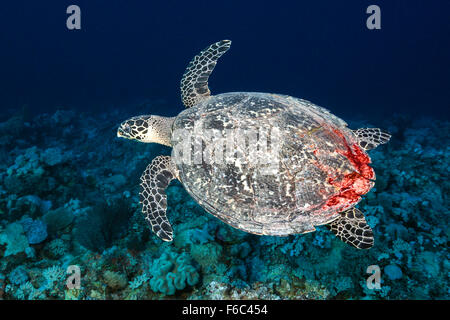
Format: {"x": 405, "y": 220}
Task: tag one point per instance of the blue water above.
{"x": 69, "y": 188}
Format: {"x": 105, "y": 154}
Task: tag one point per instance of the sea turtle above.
{"x": 267, "y": 164}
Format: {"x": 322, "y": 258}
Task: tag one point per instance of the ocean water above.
{"x": 71, "y": 225}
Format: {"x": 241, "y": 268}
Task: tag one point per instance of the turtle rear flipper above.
{"x": 153, "y": 198}
{"x": 370, "y": 138}
{"x": 194, "y": 84}
{"x": 352, "y": 228}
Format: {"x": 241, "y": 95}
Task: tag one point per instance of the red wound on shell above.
{"x": 353, "y": 185}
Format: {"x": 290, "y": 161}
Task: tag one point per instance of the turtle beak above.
{"x": 120, "y": 133}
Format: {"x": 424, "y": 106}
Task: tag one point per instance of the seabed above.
{"x": 69, "y": 197}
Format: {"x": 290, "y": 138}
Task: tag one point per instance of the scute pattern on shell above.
{"x": 293, "y": 199}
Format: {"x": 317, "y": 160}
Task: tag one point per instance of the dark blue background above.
{"x": 318, "y": 50}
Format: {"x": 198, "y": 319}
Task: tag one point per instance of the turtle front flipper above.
{"x": 153, "y": 198}
{"x": 370, "y": 138}
{"x": 352, "y": 228}
{"x": 194, "y": 84}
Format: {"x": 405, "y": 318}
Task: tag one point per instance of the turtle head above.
{"x": 147, "y": 129}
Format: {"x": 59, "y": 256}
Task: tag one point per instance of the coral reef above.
{"x": 171, "y": 272}
{"x": 69, "y": 197}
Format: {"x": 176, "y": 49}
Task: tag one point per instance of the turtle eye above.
{"x": 127, "y": 128}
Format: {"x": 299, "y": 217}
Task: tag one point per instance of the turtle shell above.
{"x": 269, "y": 164}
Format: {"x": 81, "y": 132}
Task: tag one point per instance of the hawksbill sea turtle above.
{"x": 299, "y": 167}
